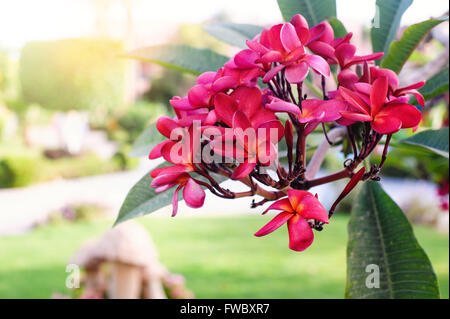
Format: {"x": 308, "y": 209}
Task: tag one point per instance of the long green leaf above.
{"x": 180, "y": 57}
{"x": 436, "y": 85}
{"x": 381, "y": 236}
{"x": 386, "y": 22}
{"x": 338, "y": 27}
{"x": 142, "y": 198}
{"x": 233, "y": 33}
{"x": 434, "y": 140}
{"x": 144, "y": 143}
{"x": 313, "y": 10}
{"x": 400, "y": 51}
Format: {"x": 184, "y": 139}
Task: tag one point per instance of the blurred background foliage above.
{"x": 53, "y": 91}
{"x": 65, "y": 74}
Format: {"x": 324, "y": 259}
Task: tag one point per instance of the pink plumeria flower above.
{"x": 385, "y": 116}
{"x": 394, "y": 83}
{"x": 245, "y": 99}
{"x": 297, "y": 208}
{"x": 313, "y": 110}
{"x": 281, "y": 44}
{"x": 168, "y": 177}
{"x": 243, "y": 110}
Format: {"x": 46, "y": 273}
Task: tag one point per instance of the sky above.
{"x": 25, "y": 20}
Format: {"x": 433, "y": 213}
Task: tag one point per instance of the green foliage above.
{"x": 436, "y": 85}
{"x": 76, "y": 214}
{"x": 386, "y": 22}
{"x": 33, "y": 264}
{"x": 180, "y": 57}
{"x": 138, "y": 116}
{"x": 142, "y": 199}
{"x": 233, "y": 33}
{"x": 338, "y": 27}
{"x": 314, "y": 11}
{"x": 400, "y": 51}
{"x": 146, "y": 141}
{"x": 380, "y": 234}
{"x": 4, "y": 61}
{"x": 17, "y": 171}
{"x": 434, "y": 140}
{"x": 73, "y": 74}
{"x": 168, "y": 84}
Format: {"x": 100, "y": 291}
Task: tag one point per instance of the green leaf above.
{"x": 142, "y": 198}
{"x": 386, "y": 22}
{"x": 146, "y": 141}
{"x": 314, "y": 11}
{"x": 436, "y": 85}
{"x": 338, "y": 27}
{"x": 233, "y": 33}
{"x": 400, "y": 51}
{"x": 180, "y": 57}
{"x": 380, "y": 234}
{"x": 434, "y": 140}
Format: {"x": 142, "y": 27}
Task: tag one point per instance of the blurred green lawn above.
{"x": 219, "y": 256}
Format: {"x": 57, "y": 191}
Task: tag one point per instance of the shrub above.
{"x": 73, "y": 73}
{"x": 17, "y": 171}
{"x": 139, "y": 116}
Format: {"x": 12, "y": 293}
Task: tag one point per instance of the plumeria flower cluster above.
{"x": 232, "y": 122}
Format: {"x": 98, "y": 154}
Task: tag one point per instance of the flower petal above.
{"x": 175, "y": 201}
{"x": 323, "y": 49}
{"x": 272, "y": 72}
{"x": 181, "y": 103}
{"x": 166, "y": 125}
{"x": 283, "y": 204}
{"x": 225, "y": 107}
{"x": 386, "y": 124}
{"x": 296, "y": 73}
{"x": 249, "y": 99}
{"x": 269, "y": 57}
{"x": 301, "y": 27}
{"x": 301, "y": 235}
{"x": 199, "y": 95}
{"x": 272, "y": 130}
{"x": 156, "y": 151}
{"x": 243, "y": 170}
{"x": 289, "y": 37}
{"x": 408, "y": 114}
{"x": 274, "y": 224}
{"x": 206, "y": 77}
{"x": 344, "y": 53}
{"x": 347, "y": 78}
{"x": 263, "y": 115}
{"x": 278, "y": 105}
{"x": 353, "y": 99}
{"x": 240, "y": 120}
{"x": 295, "y": 196}
{"x": 193, "y": 194}
{"x": 365, "y": 58}
{"x": 317, "y": 63}
{"x": 311, "y": 208}
{"x": 274, "y": 38}
{"x": 417, "y": 94}
{"x": 245, "y": 59}
{"x": 354, "y": 116}
{"x": 224, "y": 83}
{"x": 378, "y": 94}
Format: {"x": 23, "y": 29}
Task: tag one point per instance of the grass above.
{"x": 218, "y": 256}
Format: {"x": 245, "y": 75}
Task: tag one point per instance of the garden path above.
{"x": 22, "y": 208}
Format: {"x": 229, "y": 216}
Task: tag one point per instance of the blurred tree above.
{"x": 73, "y": 74}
